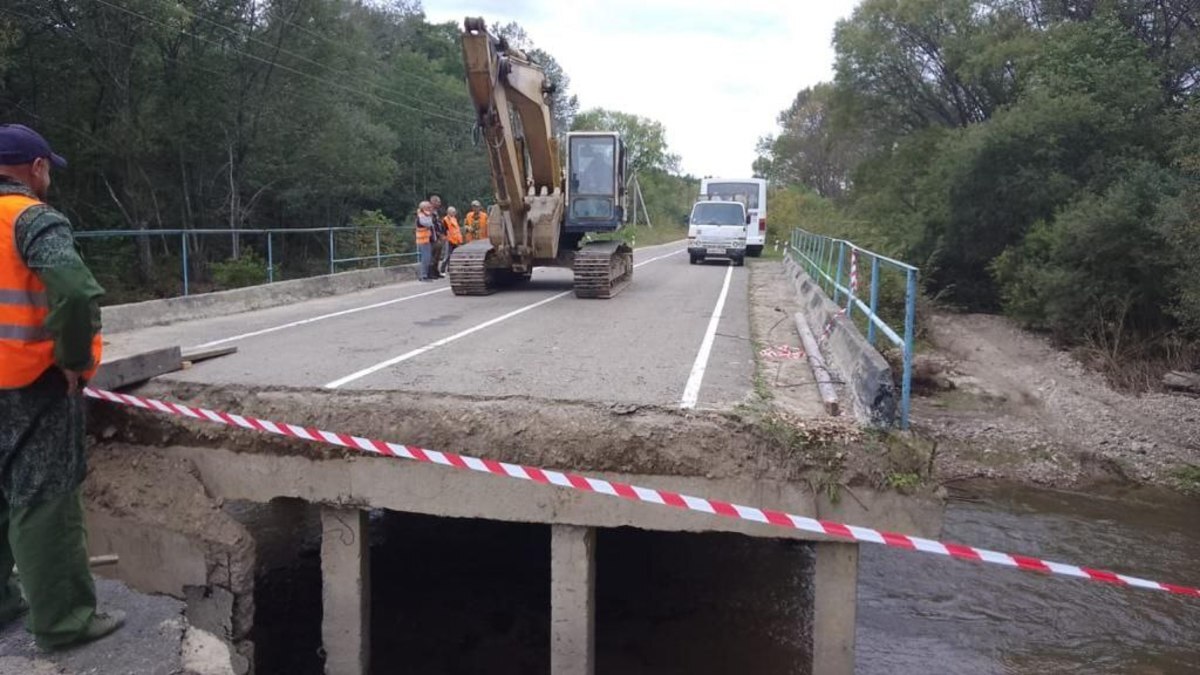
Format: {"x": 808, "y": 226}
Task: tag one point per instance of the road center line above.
{"x": 315, "y": 319}
{"x": 462, "y": 334}
{"x": 691, "y": 392}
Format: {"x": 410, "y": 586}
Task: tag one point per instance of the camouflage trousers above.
{"x": 42, "y": 466}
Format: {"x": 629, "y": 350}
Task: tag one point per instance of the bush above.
{"x": 248, "y": 270}
{"x": 1102, "y": 270}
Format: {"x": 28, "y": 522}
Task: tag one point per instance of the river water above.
{"x": 919, "y": 613}
{"x": 458, "y": 597}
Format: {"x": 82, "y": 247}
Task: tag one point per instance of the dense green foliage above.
{"x": 1036, "y": 157}
{"x": 222, "y": 114}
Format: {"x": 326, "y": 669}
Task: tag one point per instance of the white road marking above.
{"x": 462, "y": 334}
{"x": 315, "y": 319}
{"x": 691, "y": 392}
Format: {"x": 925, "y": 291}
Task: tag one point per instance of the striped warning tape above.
{"x": 782, "y": 352}
{"x": 641, "y": 494}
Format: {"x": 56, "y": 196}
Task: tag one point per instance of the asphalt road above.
{"x": 655, "y": 343}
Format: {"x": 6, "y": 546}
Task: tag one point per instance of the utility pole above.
{"x": 643, "y": 200}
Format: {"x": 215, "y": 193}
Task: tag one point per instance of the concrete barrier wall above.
{"x": 120, "y": 318}
{"x": 867, "y": 375}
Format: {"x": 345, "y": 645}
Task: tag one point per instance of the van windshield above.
{"x": 718, "y": 213}
{"x": 746, "y": 193}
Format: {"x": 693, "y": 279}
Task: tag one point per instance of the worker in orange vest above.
{"x": 475, "y": 223}
{"x": 454, "y": 237}
{"x": 50, "y": 346}
{"x": 425, "y": 234}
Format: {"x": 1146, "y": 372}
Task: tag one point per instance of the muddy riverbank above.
{"x": 1002, "y": 403}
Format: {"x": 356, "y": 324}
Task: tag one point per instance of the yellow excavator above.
{"x": 542, "y": 215}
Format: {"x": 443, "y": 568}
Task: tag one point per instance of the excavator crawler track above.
{"x": 469, "y": 273}
{"x": 602, "y": 269}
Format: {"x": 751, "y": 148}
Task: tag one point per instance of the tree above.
{"x": 236, "y": 113}
{"x": 1031, "y": 156}
{"x": 645, "y": 139}
{"x": 909, "y": 64}
{"x": 810, "y": 149}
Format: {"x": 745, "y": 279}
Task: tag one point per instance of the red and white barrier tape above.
{"x": 641, "y": 494}
{"x": 853, "y": 273}
{"x": 782, "y": 352}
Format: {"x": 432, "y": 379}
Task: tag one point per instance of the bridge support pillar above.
{"x": 572, "y": 600}
{"x": 346, "y": 591}
{"x": 835, "y": 601}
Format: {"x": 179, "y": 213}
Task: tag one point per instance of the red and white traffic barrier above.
{"x": 641, "y": 494}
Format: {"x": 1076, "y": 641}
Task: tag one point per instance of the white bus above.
{"x": 752, "y": 192}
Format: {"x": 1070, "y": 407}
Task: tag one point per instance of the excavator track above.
{"x": 468, "y": 270}
{"x": 602, "y": 269}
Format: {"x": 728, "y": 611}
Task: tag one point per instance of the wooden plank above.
{"x": 137, "y": 368}
{"x": 197, "y": 355}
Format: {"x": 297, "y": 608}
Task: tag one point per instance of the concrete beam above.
{"x": 346, "y": 595}
{"x": 572, "y": 600}
{"x": 439, "y": 491}
{"x": 835, "y": 605}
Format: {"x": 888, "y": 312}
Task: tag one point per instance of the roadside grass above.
{"x": 1188, "y": 477}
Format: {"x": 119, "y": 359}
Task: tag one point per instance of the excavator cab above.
{"x": 595, "y": 182}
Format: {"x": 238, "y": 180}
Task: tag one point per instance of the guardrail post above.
{"x": 378, "y": 254}
{"x": 852, "y": 283}
{"x": 829, "y": 263}
{"x": 184, "y": 248}
{"x": 837, "y": 280}
{"x": 874, "y": 298}
{"x": 331, "y": 256}
{"x": 819, "y": 264}
{"x": 910, "y": 315}
{"x": 270, "y": 260}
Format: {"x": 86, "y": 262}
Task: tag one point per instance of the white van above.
{"x": 717, "y": 229}
{"x": 750, "y": 191}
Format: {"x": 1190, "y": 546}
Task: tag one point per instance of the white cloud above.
{"x": 715, "y": 73}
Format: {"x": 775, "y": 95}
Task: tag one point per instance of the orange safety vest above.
{"x": 26, "y": 346}
{"x": 477, "y": 224}
{"x": 423, "y": 233}
{"x": 453, "y": 234}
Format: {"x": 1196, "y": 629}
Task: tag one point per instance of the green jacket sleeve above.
{"x": 47, "y": 245}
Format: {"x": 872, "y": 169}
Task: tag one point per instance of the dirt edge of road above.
{"x": 643, "y": 440}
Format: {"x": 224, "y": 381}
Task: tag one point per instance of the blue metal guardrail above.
{"x": 270, "y": 234}
{"x": 827, "y": 260}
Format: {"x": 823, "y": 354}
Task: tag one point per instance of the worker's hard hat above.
{"x": 476, "y": 203}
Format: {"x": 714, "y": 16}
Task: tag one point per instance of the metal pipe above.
{"x": 331, "y": 255}
{"x": 270, "y": 261}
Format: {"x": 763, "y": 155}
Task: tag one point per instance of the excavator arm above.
{"x": 508, "y": 91}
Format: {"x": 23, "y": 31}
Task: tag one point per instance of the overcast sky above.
{"x": 716, "y": 73}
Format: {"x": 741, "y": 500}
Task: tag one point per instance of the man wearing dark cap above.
{"x": 49, "y": 347}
